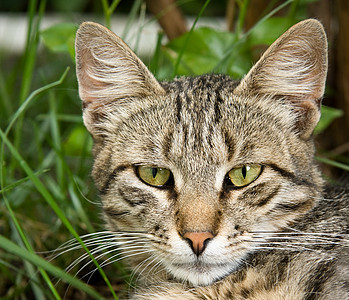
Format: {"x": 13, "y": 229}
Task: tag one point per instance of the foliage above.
{"x": 60, "y": 38}
{"x": 45, "y": 158}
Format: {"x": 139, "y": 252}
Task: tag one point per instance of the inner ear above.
{"x": 109, "y": 73}
{"x": 107, "y": 69}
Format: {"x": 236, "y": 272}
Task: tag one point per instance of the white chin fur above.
{"x": 201, "y": 274}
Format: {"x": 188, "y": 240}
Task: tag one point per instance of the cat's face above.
{"x": 196, "y": 170}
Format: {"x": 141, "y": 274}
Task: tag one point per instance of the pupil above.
{"x": 154, "y": 172}
{"x": 244, "y": 172}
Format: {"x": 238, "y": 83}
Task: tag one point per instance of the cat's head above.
{"x": 198, "y": 167}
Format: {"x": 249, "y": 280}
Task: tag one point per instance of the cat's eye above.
{"x": 244, "y": 175}
{"x": 154, "y": 176}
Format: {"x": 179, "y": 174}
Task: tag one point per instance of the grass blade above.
{"x": 25, "y": 104}
{"x": 36, "y": 260}
{"x": 50, "y": 200}
{"x": 180, "y": 55}
{"x": 19, "y": 182}
{"x": 333, "y": 163}
{"x": 244, "y": 36}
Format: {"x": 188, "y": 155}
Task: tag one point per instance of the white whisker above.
{"x": 148, "y": 262}
{"x": 111, "y": 260}
{"x": 300, "y": 233}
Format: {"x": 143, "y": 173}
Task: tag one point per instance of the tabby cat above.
{"x": 209, "y": 186}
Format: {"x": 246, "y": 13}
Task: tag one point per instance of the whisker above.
{"x": 97, "y": 238}
{"x": 157, "y": 265}
{"x": 300, "y": 233}
{"x": 292, "y": 245}
{"x": 112, "y": 260}
{"x": 298, "y": 242}
{"x": 104, "y": 248}
{"x": 74, "y": 243}
{"x": 275, "y": 248}
{"x": 134, "y": 272}
{"x": 312, "y": 240}
{"x": 90, "y": 273}
{"x": 101, "y": 265}
{"x": 86, "y": 256}
{"x": 306, "y": 238}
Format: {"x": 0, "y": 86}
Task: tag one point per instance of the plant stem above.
{"x": 242, "y": 15}
{"x": 244, "y": 36}
{"x": 108, "y": 11}
{"x": 333, "y": 163}
{"x": 188, "y": 38}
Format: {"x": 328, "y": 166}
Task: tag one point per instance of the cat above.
{"x": 209, "y": 185}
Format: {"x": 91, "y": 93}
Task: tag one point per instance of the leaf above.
{"x": 328, "y": 115}
{"x": 268, "y": 31}
{"x": 205, "y": 49}
{"x": 60, "y": 38}
{"x": 77, "y": 141}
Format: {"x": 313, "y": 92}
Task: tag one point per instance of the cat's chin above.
{"x": 201, "y": 274}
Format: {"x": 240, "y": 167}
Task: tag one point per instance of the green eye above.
{"x": 244, "y": 175}
{"x": 154, "y": 176}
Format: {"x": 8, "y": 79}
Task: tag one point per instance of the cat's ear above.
{"x": 293, "y": 68}
{"x": 108, "y": 71}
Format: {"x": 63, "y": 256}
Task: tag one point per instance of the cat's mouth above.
{"x": 214, "y": 263}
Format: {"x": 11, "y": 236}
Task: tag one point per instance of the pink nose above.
{"x": 198, "y": 240}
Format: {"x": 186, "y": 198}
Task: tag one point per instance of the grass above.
{"x": 45, "y": 183}
{"x": 47, "y": 195}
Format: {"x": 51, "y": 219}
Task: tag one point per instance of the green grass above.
{"x": 47, "y": 196}
{"x": 45, "y": 158}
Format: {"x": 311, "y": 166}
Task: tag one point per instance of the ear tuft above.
{"x": 293, "y": 68}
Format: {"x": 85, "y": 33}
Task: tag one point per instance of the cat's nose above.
{"x": 198, "y": 240}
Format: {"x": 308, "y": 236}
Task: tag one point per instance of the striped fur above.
{"x": 267, "y": 242}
